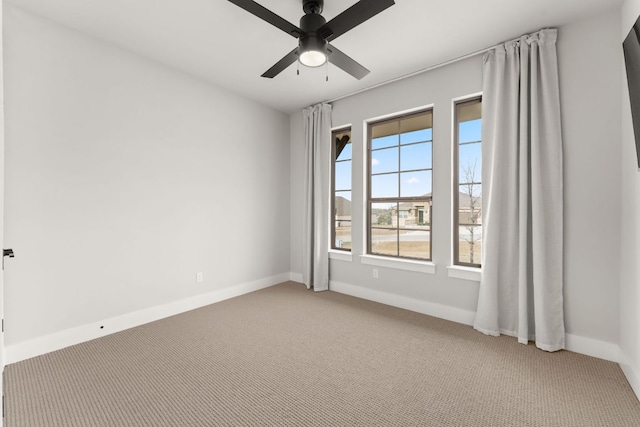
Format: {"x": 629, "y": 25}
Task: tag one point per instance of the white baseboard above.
{"x": 454, "y": 314}
{"x": 58, "y": 340}
{"x": 632, "y": 373}
{"x": 594, "y": 348}
{"x": 295, "y": 277}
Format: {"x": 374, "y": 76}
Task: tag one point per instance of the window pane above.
{"x": 341, "y": 188}
{"x": 383, "y": 214}
{"x": 415, "y": 244}
{"x": 428, "y": 133}
{"x": 470, "y": 244}
{"x": 415, "y": 136}
{"x": 383, "y": 186}
{"x": 384, "y": 241}
{"x": 470, "y": 163}
{"x": 346, "y": 153}
{"x": 468, "y": 218}
{"x": 469, "y": 116}
{"x": 415, "y": 215}
{"x": 384, "y": 160}
{"x": 386, "y": 141}
{"x": 343, "y": 175}
{"x": 416, "y": 156}
{"x": 343, "y": 234}
{"x": 470, "y": 202}
{"x": 470, "y": 131}
{"x": 342, "y": 204}
{"x": 415, "y": 184}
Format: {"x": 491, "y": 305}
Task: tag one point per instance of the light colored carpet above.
{"x": 285, "y": 356}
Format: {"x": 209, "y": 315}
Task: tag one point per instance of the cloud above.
{"x": 413, "y": 180}
{"x": 375, "y": 162}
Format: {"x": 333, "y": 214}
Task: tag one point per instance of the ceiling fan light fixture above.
{"x": 313, "y": 58}
{"x": 313, "y": 51}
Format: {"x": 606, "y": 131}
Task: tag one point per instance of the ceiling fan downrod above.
{"x": 312, "y": 6}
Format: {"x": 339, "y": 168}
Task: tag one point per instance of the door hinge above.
{"x": 3, "y": 325}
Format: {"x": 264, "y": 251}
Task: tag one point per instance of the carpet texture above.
{"x": 285, "y": 356}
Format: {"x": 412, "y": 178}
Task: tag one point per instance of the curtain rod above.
{"x": 424, "y": 70}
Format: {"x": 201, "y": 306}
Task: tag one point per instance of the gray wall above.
{"x": 630, "y": 223}
{"x": 589, "y": 56}
{"x": 124, "y": 178}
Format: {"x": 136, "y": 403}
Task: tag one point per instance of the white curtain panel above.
{"x": 315, "y": 227}
{"x": 521, "y": 285}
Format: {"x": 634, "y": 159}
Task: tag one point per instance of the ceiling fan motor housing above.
{"x": 310, "y": 22}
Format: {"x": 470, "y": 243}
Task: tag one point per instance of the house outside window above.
{"x": 399, "y": 186}
{"x": 467, "y": 218}
{"x": 341, "y": 189}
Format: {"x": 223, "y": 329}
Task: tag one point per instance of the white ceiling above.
{"x": 217, "y": 41}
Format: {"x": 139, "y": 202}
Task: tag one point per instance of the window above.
{"x": 467, "y": 201}
{"x": 341, "y": 189}
{"x": 399, "y": 190}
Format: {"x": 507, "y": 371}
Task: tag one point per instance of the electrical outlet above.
{"x": 199, "y": 277}
{"x": 375, "y": 273}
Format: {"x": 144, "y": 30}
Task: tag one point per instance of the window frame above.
{"x": 369, "y": 201}
{"x": 334, "y": 132}
{"x": 455, "y": 180}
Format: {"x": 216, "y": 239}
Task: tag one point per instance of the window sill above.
{"x": 399, "y": 264}
{"x": 340, "y": 255}
{"x": 464, "y": 273}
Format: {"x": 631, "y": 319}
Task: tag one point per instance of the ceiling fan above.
{"x": 315, "y": 33}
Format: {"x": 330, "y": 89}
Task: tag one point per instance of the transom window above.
{"x": 400, "y": 185}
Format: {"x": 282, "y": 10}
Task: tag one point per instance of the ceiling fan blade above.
{"x": 266, "y": 15}
{"x": 279, "y": 66}
{"x": 352, "y": 17}
{"x": 346, "y": 63}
